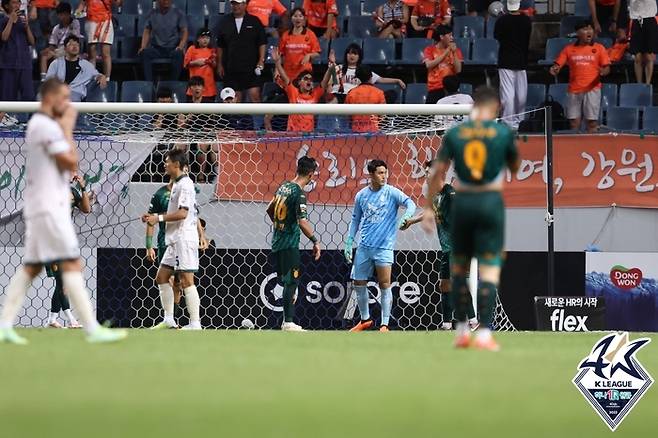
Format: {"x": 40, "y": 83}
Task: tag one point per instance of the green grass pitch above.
{"x": 315, "y": 384}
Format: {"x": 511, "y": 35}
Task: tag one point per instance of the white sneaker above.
{"x": 55, "y": 324}
{"x": 193, "y": 326}
{"x": 291, "y": 327}
{"x": 164, "y": 325}
{"x": 446, "y": 326}
{"x": 474, "y": 324}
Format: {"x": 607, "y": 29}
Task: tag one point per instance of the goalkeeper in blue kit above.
{"x": 375, "y": 214}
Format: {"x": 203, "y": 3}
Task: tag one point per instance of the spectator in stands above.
{"x": 322, "y": 17}
{"x": 606, "y": 14}
{"x": 164, "y": 121}
{"x": 199, "y": 123}
{"x": 453, "y": 97}
{"x": 67, "y": 26}
{"x": 365, "y": 93}
{"x": 100, "y": 30}
{"x": 262, "y": 9}
{"x": 427, "y": 14}
{"x": 441, "y": 59}
{"x": 234, "y": 121}
{"x": 587, "y": 61}
{"x": 165, "y": 36}
{"x": 346, "y": 74}
{"x": 80, "y": 74}
{"x": 46, "y": 14}
{"x": 618, "y": 50}
{"x": 241, "y": 46}
{"x": 201, "y": 60}
{"x": 298, "y": 46}
{"x": 391, "y": 19}
{"x": 301, "y": 91}
{"x": 644, "y": 37}
{"x": 513, "y": 33}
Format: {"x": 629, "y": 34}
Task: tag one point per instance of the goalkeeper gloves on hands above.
{"x": 404, "y": 219}
{"x": 347, "y": 252}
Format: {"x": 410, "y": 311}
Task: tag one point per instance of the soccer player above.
{"x": 182, "y": 240}
{"x": 49, "y": 235}
{"x": 287, "y": 211}
{"x": 375, "y": 212}
{"x": 480, "y": 149}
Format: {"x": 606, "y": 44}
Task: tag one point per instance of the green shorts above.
{"x": 478, "y": 228}
{"x": 287, "y": 263}
{"x": 444, "y": 265}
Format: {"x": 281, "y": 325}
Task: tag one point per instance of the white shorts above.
{"x": 100, "y": 33}
{"x": 50, "y": 238}
{"x": 587, "y": 104}
{"x": 182, "y": 256}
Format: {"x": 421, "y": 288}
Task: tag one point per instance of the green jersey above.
{"x": 442, "y": 206}
{"x": 480, "y": 151}
{"x": 159, "y": 204}
{"x": 289, "y": 208}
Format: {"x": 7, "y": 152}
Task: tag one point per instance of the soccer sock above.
{"x": 471, "y": 310}
{"x": 288, "y": 306}
{"x": 75, "y": 286}
{"x": 486, "y": 303}
{"x": 387, "y": 304}
{"x": 53, "y": 317}
{"x": 362, "y": 302}
{"x": 446, "y": 307}
{"x": 70, "y": 317}
{"x": 460, "y": 297}
{"x": 167, "y": 301}
{"x": 193, "y": 303}
{"x": 15, "y": 294}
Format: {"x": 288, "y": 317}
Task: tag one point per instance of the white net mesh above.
{"x": 237, "y": 169}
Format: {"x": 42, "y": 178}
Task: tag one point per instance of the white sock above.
{"x": 52, "y": 318}
{"x": 473, "y": 320}
{"x": 193, "y": 302}
{"x": 15, "y": 294}
{"x": 74, "y": 285}
{"x": 484, "y": 334}
{"x": 167, "y": 301}
{"x": 70, "y": 317}
{"x": 463, "y": 328}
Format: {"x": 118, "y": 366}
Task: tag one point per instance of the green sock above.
{"x": 446, "y": 307}
{"x": 460, "y": 297}
{"x": 288, "y": 306}
{"x": 486, "y": 303}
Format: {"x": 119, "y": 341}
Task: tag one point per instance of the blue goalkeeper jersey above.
{"x": 375, "y": 212}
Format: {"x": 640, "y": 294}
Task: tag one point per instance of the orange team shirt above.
{"x": 316, "y": 13}
{"x": 207, "y": 71}
{"x": 302, "y": 122}
{"x": 99, "y": 10}
{"x": 46, "y": 4}
{"x": 584, "y": 64}
{"x": 445, "y": 68}
{"x": 616, "y": 52}
{"x": 293, "y": 48}
{"x": 429, "y": 8}
{"x": 365, "y": 93}
{"x": 264, "y": 8}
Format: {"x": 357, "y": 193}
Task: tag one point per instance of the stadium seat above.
{"x": 348, "y": 8}
{"x": 416, "y": 93}
{"x": 361, "y": 27}
{"x": 178, "y": 89}
{"x": 485, "y": 52}
{"x": 136, "y": 7}
{"x": 581, "y": 8}
{"x": 203, "y": 7}
{"x": 568, "y": 23}
{"x": 370, "y": 6}
{"x": 650, "y": 120}
{"x": 324, "y": 52}
{"x": 136, "y": 91}
{"x": 464, "y": 44}
{"x": 467, "y": 26}
{"x": 623, "y": 118}
{"x": 466, "y": 88}
{"x": 388, "y": 87}
{"x": 412, "y": 50}
{"x": 194, "y": 23}
{"x": 378, "y": 51}
{"x": 128, "y": 47}
{"x": 271, "y": 42}
{"x": 635, "y": 95}
{"x": 491, "y": 25}
{"x": 338, "y": 45}
{"x": 125, "y": 25}
{"x": 553, "y": 48}
{"x": 559, "y": 93}
{"x": 605, "y": 42}
{"x": 609, "y": 97}
{"x": 536, "y": 96}
{"x": 182, "y": 4}
{"x": 108, "y": 94}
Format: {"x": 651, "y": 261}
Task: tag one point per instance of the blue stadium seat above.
{"x": 581, "y": 8}
{"x": 339, "y": 45}
{"x": 203, "y": 7}
{"x": 324, "y": 52}
{"x": 650, "y": 120}
{"x": 194, "y": 23}
{"x": 108, "y": 94}
{"x": 412, "y": 50}
{"x": 605, "y": 42}
{"x": 178, "y": 89}
{"x": 464, "y": 44}
{"x": 370, "y": 6}
{"x": 466, "y": 88}
{"x": 271, "y": 42}
{"x": 536, "y": 96}
{"x": 136, "y": 91}
{"x": 525, "y": 4}
{"x": 128, "y": 47}
{"x": 635, "y": 95}
{"x": 388, "y": 87}
{"x": 137, "y": 7}
{"x": 361, "y": 27}
{"x": 568, "y": 25}
{"x": 559, "y": 93}
{"x": 491, "y": 25}
{"x": 623, "y": 118}
{"x": 609, "y": 96}
{"x": 467, "y": 26}
{"x": 416, "y": 93}
{"x": 378, "y": 51}
{"x": 181, "y": 4}
{"x": 125, "y": 25}
{"x": 348, "y": 8}
{"x": 553, "y": 48}
{"x": 485, "y": 52}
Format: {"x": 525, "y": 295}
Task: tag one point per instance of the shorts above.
{"x": 478, "y": 228}
{"x": 444, "y": 266}
{"x": 242, "y": 81}
{"x": 181, "y": 257}
{"x": 287, "y": 263}
{"x": 588, "y": 103}
{"x": 100, "y": 33}
{"x": 366, "y": 259}
{"x": 644, "y": 37}
{"x": 50, "y": 238}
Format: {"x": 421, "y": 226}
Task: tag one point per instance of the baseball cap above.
{"x": 203, "y": 32}
{"x": 226, "y": 93}
{"x": 238, "y": 1}
{"x": 513, "y": 5}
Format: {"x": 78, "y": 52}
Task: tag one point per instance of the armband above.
{"x": 149, "y": 242}
{"x": 313, "y": 239}
{"x": 161, "y": 218}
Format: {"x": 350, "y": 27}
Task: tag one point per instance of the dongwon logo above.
{"x": 612, "y": 379}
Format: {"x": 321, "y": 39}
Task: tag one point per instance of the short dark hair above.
{"x": 484, "y": 95}
{"x": 363, "y": 73}
{"x": 63, "y": 8}
{"x": 299, "y": 77}
{"x": 196, "y": 80}
{"x": 306, "y": 166}
{"x": 451, "y": 84}
{"x": 178, "y": 156}
{"x": 164, "y": 93}
{"x": 4, "y": 4}
{"x": 50, "y": 86}
{"x": 583, "y": 23}
{"x": 374, "y": 164}
{"x": 71, "y": 37}
{"x": 439, "y": 31}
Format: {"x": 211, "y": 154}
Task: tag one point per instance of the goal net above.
{"x": 237, "y": 166}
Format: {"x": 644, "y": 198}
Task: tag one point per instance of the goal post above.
{"x": 121, "y": 146}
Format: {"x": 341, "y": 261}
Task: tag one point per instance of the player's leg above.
{"x": 56, "y": 300}
{"x": 288, "y": 263}
{"x": 363, "y": 268}
{"x": 649, "y": 61}
{"x": 188, "y": 264}
{"x": 444, "y": 289}
{"x": 165, "y": 271}
{"x": 93, "y": 54}
{"x": 66, "y": 308}
{"x": 383, "y": 264}
{"x": 106, "y": 51}
{"x": 14, "y": 296}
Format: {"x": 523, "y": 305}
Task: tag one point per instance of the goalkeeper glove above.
{"x": 347, "y": 252}
{"x": 404, "y": 219}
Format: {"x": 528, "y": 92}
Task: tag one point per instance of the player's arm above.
{"x": 305, "y": 226}
{"x": 409, "y": 206}
{"x": 66, "y": 158}
{"x": 513, "y": 159}
{"x": 276, "y": 57}
{"x": 85, "y": 203}
{"x": 150, "y": 230}
{"x": 203, "y": 241}
{"x": 326, "y": 79}
{"x": 437, "y": 179}
{"x": 357, "y": 214}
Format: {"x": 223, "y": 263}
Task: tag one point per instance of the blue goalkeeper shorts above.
{"x": 366, "y": 259}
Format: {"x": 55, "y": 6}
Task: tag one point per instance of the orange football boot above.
{"x": 463, "y": 341}
{"x": 489, "y": 344}
{"x": 361, "y": 326}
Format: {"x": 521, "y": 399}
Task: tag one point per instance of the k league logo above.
{"x": 612, "y": 379}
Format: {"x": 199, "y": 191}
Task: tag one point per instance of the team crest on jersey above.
{"x": 295, "y": 273}
{"x": 611, "y": 378}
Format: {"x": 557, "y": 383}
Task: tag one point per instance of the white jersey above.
{"x": 447, "y": 122}
{"x": 639, "y": 9}
{"x": 48, "y": 189}
{"x": 183, "y": 195}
